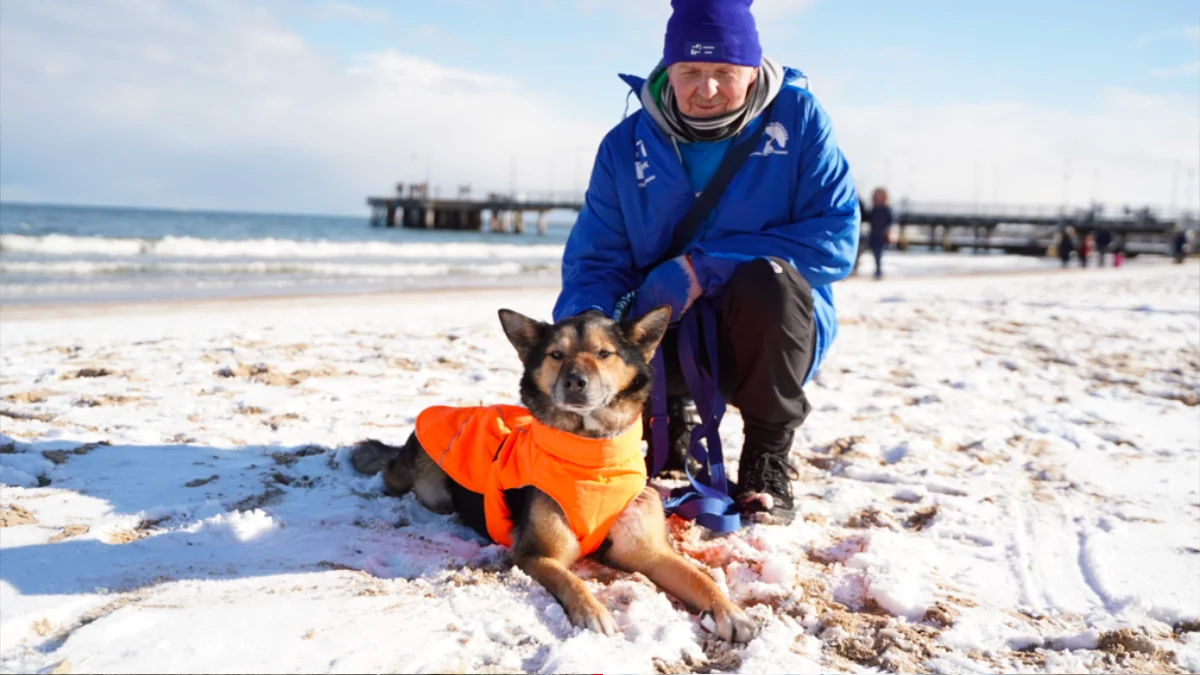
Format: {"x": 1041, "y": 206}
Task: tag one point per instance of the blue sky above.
{"x": 309, "y": 106}
{"x": 1051, "y": 53}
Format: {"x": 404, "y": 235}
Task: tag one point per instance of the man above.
{"x": 1103, "y": 243}
{"x": 784, "y": 230}
{"x": 1067, "y": 244}
{"x": 881, "y": 219}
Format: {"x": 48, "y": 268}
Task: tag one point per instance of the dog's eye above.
{"x": 604, "y": 354}
{"x": 556, "y": 355}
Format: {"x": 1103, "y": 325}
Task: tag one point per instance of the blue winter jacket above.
{"x": 793, "y": 199}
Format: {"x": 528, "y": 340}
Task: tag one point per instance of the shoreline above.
{"x": 34, "y": 312}
{"x": 71, "y": 309}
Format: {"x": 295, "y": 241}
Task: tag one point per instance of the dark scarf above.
{"x": 658, "y": 99}
{"x": 715, "y": 128}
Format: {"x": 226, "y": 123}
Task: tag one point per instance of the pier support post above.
{"x": 518, "y": 222}
{"x": 430, "y": 217}
{"x": 391, "y": 215}
{"x": 494, "y": 221}
{"x": 541, "y": 224}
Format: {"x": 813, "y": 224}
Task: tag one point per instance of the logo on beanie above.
{"x": 705, "y": 49}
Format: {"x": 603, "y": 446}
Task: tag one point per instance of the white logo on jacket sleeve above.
{"x": 641, "y": 165}
{"x": 777, "y": 138}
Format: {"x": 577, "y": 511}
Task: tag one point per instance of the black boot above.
{"x": 682, "y": 418}
{"x": 764, "y": 487}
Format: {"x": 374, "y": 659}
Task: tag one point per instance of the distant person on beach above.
{"x": 1181, "y": 244}
{"x": 1085, "y": 249}
{"x": 1104, "y": 241}
{"x": 763, "y": 259}
{"x": 1068, "y": 243}
{"x": 881, "y": 219}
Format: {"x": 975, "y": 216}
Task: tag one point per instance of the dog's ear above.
{"x": 645, "y": 333}
{"x": 523, "y": 332}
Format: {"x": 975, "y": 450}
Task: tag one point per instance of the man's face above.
{"x": 705, "y": 89}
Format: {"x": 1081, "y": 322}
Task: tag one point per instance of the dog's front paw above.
{"x": 730, "y": 623}
{"x": 593, "y": 616}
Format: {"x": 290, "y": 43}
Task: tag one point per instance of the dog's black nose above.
{"x": 574, "y": 382}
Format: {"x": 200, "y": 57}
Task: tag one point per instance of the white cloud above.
{"x": 1192, "y": 68}
{"x": 217, "y": 104}
{"x": 434, "y": 34}
{"x": 336, "y": 10}
{"x": 1122, "y": 152}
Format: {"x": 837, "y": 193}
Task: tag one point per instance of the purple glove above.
{"x": 672, "y": 283}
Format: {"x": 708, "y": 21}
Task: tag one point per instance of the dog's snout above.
{"x": 575, "y": 382}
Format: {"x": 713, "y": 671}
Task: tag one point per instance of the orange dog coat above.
{"x": 502, "y": 447}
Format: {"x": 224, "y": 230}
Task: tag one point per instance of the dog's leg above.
{"x": 639, "y": 544}
{"x": 544, "y": 547}
{"x": 407, "y": 468}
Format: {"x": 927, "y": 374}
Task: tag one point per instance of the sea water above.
{"x": 69, "y": 254}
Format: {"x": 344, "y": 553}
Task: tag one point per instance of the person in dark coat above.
{"x": 1067, "y": 245}
{"x": 1103, "y": 241}
{"x": 881, "y": 219}
{"x": 1181, "y": 243}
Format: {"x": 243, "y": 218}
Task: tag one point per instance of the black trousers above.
{"x": 766, "y": 338}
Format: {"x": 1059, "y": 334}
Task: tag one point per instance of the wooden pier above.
{"x": 502, "y": 213}
{"x": 1028, "y": 230}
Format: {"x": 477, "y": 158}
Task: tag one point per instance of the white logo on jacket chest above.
{"x": 777, "y": 138}
{"x": 641, "y": 164}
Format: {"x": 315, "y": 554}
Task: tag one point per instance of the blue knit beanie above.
{"x": 720, "y": 31}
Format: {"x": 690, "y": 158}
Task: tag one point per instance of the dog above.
{"x": 585, "y": 382}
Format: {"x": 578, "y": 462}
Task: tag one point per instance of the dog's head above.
{"x": 587, "y": 375}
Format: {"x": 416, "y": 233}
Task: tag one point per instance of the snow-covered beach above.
{"x": 1001, "y": 473}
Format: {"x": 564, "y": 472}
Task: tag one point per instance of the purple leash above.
{"x": 706, "y": 499}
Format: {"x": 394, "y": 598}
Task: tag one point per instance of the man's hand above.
{"x": 672, "y": 283}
